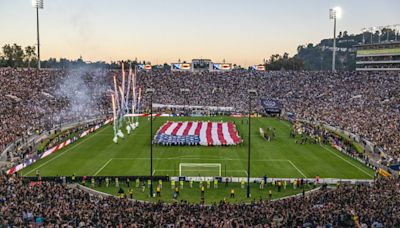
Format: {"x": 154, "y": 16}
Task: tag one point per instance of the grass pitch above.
{"x": 97, "y": 155}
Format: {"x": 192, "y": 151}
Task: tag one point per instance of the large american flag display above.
{"x": 197, "y": 133}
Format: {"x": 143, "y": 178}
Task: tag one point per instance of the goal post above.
{"x": 200, "y": 169}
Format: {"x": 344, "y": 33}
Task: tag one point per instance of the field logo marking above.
{"x": 333, "y": 152}
{"x": 73, "y": 146}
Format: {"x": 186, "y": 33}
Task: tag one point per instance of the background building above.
{"x": 380, "y": 56}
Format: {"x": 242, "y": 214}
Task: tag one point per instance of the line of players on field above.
{"x": 177, "y": 186}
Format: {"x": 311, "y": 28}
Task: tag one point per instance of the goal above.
{"x": 200, "y": 169}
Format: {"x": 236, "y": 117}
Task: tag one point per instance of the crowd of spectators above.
{"x": 25, "y": 203}
{"x": 37, "y": 101}
{"x": 364, "y": 103}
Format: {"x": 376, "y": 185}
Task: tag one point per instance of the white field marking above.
{"x": 161, "y": 170}
{"x": 61, "y": 154}
{"x": 228, "y": 170}
{"x": 297, "y": 168}
{"x": 333, "y": 152}
{"x": 194, "y": 158}
{"x": 98, "y": 171}
{"x": 238, "y": 171}
{"x": 285, "y": 123}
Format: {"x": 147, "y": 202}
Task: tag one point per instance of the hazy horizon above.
{"x": 242, "y": 32}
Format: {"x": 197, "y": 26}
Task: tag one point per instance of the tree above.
{"x": 285, "y": 56}
{"x": 8, "y": 55}
{"x": 30, "y": 53}
{"x": 284, "y": 62}
{"x": 18, "y": 55}
{"x": 13, "y": 55}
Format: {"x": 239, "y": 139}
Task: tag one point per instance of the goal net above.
{"x": 200, "y": 169}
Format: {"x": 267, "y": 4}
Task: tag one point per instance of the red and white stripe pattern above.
{"x": 210, "y": 133}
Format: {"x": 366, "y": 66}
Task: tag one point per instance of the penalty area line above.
{"x": 98, "y": 171}
{"x": 297, "y": 168}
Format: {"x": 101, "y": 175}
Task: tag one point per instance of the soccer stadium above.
{"x": 309, "y": 140}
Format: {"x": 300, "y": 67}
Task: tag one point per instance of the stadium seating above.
{"x": 366, "y": 104}
{"x": 57, "y": 204}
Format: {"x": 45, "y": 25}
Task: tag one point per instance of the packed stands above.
{"x": 364, "y": 103}
{"x": 58, "y": 204}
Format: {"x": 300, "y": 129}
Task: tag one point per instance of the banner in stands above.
{"x": 144, "y": 67}
{"x": 395, "y": 167}
{"x": 271, "y": 105}
{"x": 258, "y": 67}
{"x": 181, "y": 66}
{"x": 384, "y": 173}
{"x": 222, "y": 66}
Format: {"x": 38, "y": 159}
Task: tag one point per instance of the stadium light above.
{"x": 38, "y": 4}
{"x": 150, "y": 91}
{"x": 252, "y": 92}
{"x": 333, "y": 14}
{"x": 364, "y": 30}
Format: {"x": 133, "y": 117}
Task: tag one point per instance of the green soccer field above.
{"x": 97, "y": 155}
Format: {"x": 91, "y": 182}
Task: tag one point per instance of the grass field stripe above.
{"x": 45, "y": 163}
{"x": 98, "y": 171}
{"x": 333, "y": 152}
{"x": 297, "y": 168}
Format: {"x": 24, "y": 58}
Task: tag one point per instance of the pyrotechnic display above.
{"x": 125, "y": 105}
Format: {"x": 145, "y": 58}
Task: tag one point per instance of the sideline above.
{"x": 328, "y": 149}
{"x": 64, "y": 152}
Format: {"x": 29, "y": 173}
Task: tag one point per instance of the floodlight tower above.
{"x": 150, "y": 91}
{"x": 37, "y": 4}
{"x": 333, "y": 14}
{"x": 364, "y": 30}
{"x": 252, "y": 92}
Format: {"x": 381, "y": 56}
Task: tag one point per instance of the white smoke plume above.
{"x": 82, "y": 91}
